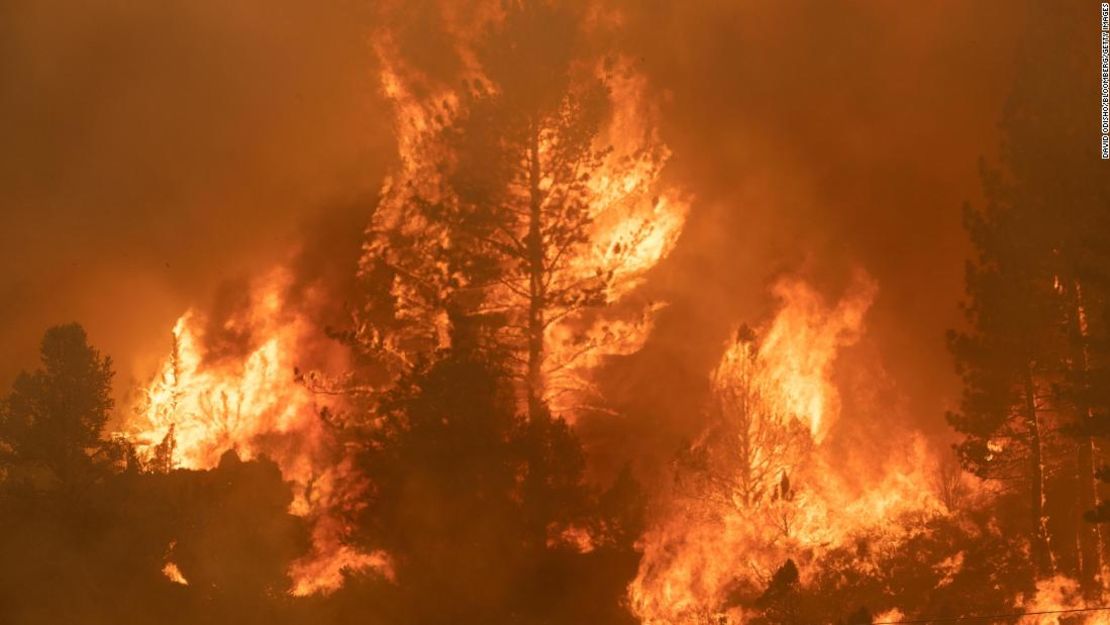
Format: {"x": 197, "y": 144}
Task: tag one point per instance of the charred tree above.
{"x": 1077, "y": 396}
{"x": 1042, "y": 552}
{"x": 780, "y": 601}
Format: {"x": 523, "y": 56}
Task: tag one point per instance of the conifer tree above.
{"x": 54, "y": 417}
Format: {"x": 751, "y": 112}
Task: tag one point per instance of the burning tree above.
{"x": 763, "y": 484}
{"x": 523, "y": 203}
{"x": 206, "y": 400}
{"x": 455, "y": 257}
{"x": 446, "y": 502}
{"x": 85, "y": 522}
{"x": 744, "y": 458}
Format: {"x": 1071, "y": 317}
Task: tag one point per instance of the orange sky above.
{"x": 155, "y": 151}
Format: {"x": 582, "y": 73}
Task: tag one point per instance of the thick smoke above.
{"x": 156, "y": 150}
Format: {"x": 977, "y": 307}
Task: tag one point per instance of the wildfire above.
{"x": 204, "y": 402}
{"x": 801, "y": 347}
{"x": 767, "y": 487}
{"x": 634, "y": 219}
{"x": 1058, "y": 600}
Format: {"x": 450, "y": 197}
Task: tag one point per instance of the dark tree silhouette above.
{"x": 1001, "y": 360}
{"x": 620, "y": 518}
{"x": 1034, "y": 361}
{"x": 525, "y": 154}
{"x": 476, "y": 504}
{"x": 51, "y": 424}
{"x": 73, "y": 528}
{"x": 503, "y": 236}
{"x": 499, "y": 237}
{"x": 1055, "y": 184}
{"x": 234, "y": 537}
{"x": 444, "y": 474}
{"x": 551, "y": 486}
{"x": 779, "y": 602}
{"x": 86, "y": 535}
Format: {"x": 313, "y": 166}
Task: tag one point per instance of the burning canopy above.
{"x": 417, "y": 432}
{"x": 761, "y": 485}
{"x": 520, "y": 214}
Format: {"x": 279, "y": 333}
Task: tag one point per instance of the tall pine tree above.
{"x": 1034, "y": 359}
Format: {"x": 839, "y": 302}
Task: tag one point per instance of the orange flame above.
{"x": 801, "y": 346}
{"x": 731, "y": 532}
{"x": 173, "y": 574}
{"x": 198, "y": 407}
{"x": 1059, "y": 600}
{"x": 635, "y": 222}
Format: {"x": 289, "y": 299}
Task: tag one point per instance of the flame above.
{"x": 775, "y": 490}
{"x": 577, "y": 538}
{"x": 635, "y": 222}
{"x": 893, "y": 615}
{"x": 1059, "y": 600}
{"x": 637, "y": 219}
{"x": 173, "y": 574}
{"x": 200, "y": 405}
{"x": 801, "y": 346}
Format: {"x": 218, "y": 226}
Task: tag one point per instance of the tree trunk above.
{"x": 1090, "y": 551}
{"x": 745, "y": 451}
{"x": 1088, "y": 538}
{"x": 536, "y": 292}
{"x": 1042, "y": 553}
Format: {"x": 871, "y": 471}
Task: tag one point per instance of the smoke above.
{"x": 157, "y": 150}
{"x": 819, "y": 138}
{"x": 154, "y": 151}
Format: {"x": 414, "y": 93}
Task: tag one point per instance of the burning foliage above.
{"x": 407, "y": 447}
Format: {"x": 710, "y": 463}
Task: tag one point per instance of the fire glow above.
{"x": 197, "y": 407}
{"x": 782, "y": 474}
{"x": 251, "y": 403}
{"x": 779, "y": 493}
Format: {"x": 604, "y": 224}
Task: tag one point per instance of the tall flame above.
{"x": 800, "y": 348}
{"x": 251, "y": 401}
{"x": 635, "y": 221}
{"x": 774, "y": 489}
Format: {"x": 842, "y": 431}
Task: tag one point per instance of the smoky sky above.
{"x": 153, "y": 151}
{"x": 156, "y": 151}
{"x": 818, "y": 137}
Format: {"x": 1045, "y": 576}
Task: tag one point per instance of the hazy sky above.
{"x": 153, "y": 151}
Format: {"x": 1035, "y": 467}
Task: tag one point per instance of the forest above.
{"x": 461, "y": 410}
